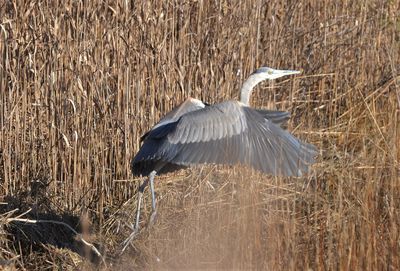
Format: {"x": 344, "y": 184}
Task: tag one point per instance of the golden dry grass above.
{"x": 80, "y": 82}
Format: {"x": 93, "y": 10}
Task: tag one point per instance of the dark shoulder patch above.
{"x": 160, "y": 131}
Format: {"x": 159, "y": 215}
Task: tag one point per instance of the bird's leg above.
{"x": 153, "y": 197}
{"x": 139, "y": 203}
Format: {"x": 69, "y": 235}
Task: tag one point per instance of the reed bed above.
{"x": 81, "y": 81}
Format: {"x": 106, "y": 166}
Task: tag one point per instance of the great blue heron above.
{"x": 230, "y": 132}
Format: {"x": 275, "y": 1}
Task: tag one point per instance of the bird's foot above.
{"x": 128, "y": 240}
{"x": 153, "y": 217}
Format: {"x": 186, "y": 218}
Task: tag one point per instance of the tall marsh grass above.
{"x": 80, "y": 81}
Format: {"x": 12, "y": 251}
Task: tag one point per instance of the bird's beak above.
{"x": 280, "y": 73}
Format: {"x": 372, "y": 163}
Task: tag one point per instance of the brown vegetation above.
{"x": 80, "y": 81}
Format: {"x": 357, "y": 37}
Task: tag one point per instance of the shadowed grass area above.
{"x": 80, "y": 82}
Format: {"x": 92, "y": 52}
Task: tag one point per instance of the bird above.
{"x": 230, "y": 132}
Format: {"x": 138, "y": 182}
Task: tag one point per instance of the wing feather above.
{"x": 187, "y": 106}
{"x": 229, "y": 133}
{"x": 277, "y": 117}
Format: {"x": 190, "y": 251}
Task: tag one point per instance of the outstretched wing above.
{"x": 187, "y": 106}
{"x": 227, "y": 133}
{"x": 277, "y": 117}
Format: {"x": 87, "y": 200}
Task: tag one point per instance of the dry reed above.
{"x": 80, "y": 81}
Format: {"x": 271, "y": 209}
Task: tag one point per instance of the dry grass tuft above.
{"x": 80, "y": 81}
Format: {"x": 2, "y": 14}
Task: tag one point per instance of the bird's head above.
{"x": 256, "y": 77}
{"x": 264, "y": 73}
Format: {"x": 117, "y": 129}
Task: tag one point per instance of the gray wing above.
{"x": 277, "y": 117}
{"x": 187, "y": 106}
{"x": 227, "y": 133}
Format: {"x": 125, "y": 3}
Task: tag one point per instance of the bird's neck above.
{"x": 247, "y": 88}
